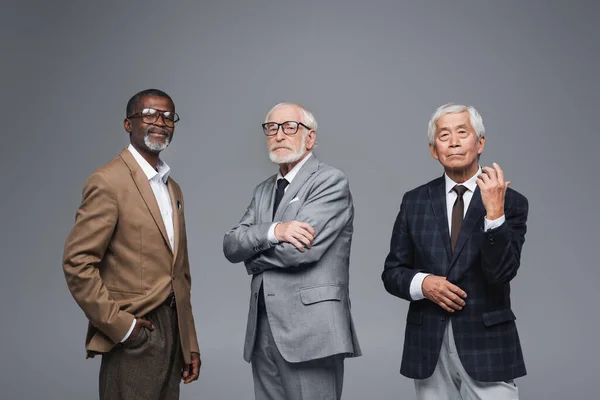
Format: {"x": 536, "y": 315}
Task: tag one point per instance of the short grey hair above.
{"x": 309, "y": 118}
{"x": 451, "y": 108}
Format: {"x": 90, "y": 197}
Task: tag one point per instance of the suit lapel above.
{"x": 143, "y": 186}
{"x": 266, "y": 200}
{"x": 475, "y": 212}
{"x": 175, "y": 203}
{"x": 437, "y": 193}
{"x": 309, "y": 168}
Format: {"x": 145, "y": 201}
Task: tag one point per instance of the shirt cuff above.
{"x": 416, "y": 291}
{"x": 489, "y": 225}
{"x": 129, "y": 331}
{"x": 271, "y": 233}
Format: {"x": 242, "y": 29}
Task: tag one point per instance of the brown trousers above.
{"x": 147, "y": 368}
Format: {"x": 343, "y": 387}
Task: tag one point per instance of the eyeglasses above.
{"x": 287, "y": 127}
{"x": 151, "y": 115}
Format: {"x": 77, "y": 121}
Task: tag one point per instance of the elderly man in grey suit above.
{"x": 294, "y": 240}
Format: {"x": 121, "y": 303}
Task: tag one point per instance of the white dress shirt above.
{"x": 288, "y": 177}
{"x": 158, "y": 182}
{"x": 416, "y": 291}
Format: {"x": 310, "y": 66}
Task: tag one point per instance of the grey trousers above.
{"x": 277, "y": 379}
{"x": 149, "y": 368}
{"x": 450, "y": 381}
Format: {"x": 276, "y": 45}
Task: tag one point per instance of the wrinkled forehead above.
{"x": 286, "y": 113}
{"x": 453, "y": 120}
{"x": 157, "y": 102}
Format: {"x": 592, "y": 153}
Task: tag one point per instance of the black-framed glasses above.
{"x": 288, "y": 127}
{"x": 151, "y": 115}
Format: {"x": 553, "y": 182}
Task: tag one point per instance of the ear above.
{"x": 127, "y": 125}
{"x": 310, "y": 139}
{"x": 480, "y": 145}
{"x": 433, "y": 151}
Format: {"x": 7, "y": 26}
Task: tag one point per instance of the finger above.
{"x": 444, "y": 306}
{"x": 306, "y": 226}
{"x": 146, "y": 324}
{"x": 451, "y": 304}
{"x": 301, "y": 238}
{"x": 479, "y": 183}
{"x": 303, "y": 233}
{"x": 185, "y": 373}
{"x": 499, "y": 172}
{"x": 506, "y": 184}
{"x": 296, "y": 243}
{"x": 491, "y": 173}
{"x": 195, "y": 370}
{"x": 306, "y": 233}
{"x": 456, "y": 290}
{"x": 484, "y": 178}
{"x": 455, "y": 299}
{"x": 193, "y": 375}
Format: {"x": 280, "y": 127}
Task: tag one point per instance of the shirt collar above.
{"x": 163, "y": 169}
{"x": 292, "y": 174}
{"x": 470, "y": 184}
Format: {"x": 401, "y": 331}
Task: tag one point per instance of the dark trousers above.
{"x": 147, "y": 368}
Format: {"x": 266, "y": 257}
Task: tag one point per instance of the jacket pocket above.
{"x": 119, "y": 291}
{"x": 415, "y": 317}
{"x": 320, "y": 293}
{"x": 498, "y": 316}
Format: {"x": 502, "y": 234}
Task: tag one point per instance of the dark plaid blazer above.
{"x": 482, "y": 264}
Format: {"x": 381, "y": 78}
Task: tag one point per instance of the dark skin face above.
{"x": 158, "y": 131}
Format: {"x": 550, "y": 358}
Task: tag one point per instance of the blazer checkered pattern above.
{"x": 483, "y": 264}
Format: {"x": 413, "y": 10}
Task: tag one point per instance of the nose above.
{"x": 454, "y": 140}
{"x": 279, "y": 136}
{"x": 160, "y": 121}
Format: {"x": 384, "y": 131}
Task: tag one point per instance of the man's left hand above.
{"x": 192, "y": 370}
{"x": 493, "y": 189}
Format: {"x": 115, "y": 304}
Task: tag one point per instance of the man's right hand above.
{"x": 299, "y": 234}
{"x": 443, "y": 293}
{"x": 139, "y": 323}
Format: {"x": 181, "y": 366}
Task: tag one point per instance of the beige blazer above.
{"x": 117, "y": 259}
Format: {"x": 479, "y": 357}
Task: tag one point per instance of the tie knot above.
{"x": 460, "y": 190}
{"x": 282, "y": 184}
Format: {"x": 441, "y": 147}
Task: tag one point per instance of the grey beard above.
{"x": 154, "y": 146}
{"x": 290, "y": 158}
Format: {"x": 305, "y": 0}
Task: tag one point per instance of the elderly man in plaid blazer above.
{"x": 455, "y": 247}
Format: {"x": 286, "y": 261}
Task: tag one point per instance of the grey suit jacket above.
{"x": 306, "y": 293}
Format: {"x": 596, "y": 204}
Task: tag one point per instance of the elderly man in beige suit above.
{"x": 126, "y": 263}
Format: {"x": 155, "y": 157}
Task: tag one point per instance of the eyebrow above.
{"x": 445, "y": 128}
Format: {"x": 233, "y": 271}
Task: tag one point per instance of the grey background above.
{"x": 372, "y": 73}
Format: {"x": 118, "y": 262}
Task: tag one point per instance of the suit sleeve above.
{"x": 85, "y": 247}
{"x": 247, "y": 238}
{"x": 501, "y": 249}
{"x": 328, "y": 209}
{"x": 399, "y": 270}
{"x": 193, "y": 338}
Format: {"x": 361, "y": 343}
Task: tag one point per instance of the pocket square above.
{"x": 293, "y": 200}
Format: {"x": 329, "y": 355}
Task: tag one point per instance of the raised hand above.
{"x": 493, "y": 189}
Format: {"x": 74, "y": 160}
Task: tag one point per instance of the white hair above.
{"x": 309, "y": 118}
{"x": 450, "y": 108}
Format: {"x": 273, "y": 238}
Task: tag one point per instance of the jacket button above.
{"x": 254, "y": 269}
{"x": 172, "y": 277}
{"x": 443, "y": 318}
